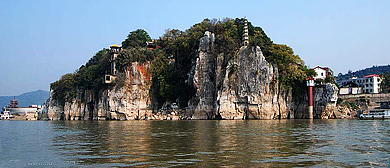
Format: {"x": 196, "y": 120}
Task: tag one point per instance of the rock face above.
{"x": 202, "y": 106}
{"x": 130, "y": 101}
{"x": 247, "y": 88}
{"x": 252, "y": 91}
{"x": 242, "y": 85}
{"x": 324, "y": 102}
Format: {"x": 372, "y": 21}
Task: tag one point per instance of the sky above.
{"x": 40, "y": 40}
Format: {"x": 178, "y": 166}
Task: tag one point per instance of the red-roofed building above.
{"x": 371, "y": 83}
{"x": 151, "y": 45}
{"x": 373, "y": 75}
{"x": 322, "y": 72}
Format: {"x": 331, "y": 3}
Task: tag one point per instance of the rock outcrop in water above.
{"x": 247, "y": 88}
{"x": 130, "y": 101}
{"x": 324, "y": 102}
{"x": 243, "y": 87}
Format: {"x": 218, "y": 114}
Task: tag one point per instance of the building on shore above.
{"x": 13, "y": 108}
{"x": 354, "y": 85}
{"x": 322, "y": 72}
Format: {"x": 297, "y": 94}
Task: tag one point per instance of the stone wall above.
{"x": 373, "y": 98}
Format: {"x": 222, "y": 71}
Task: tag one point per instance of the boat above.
{"x": 382, "y": 112}
{"x": 6, "y": 115}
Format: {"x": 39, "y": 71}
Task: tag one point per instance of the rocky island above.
{"x": 226, "y": 69}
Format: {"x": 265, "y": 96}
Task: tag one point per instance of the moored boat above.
{"x": 383, "y": 112}
{"x": 6, "y": 115}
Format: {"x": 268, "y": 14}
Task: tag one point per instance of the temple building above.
{"x": 114, "y": 52}
{"x": 13, "y": 108}
{"x": 13, "y": 103}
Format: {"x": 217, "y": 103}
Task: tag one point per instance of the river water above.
{"x": 201, "y": 143}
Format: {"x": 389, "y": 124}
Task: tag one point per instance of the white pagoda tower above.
{"x": 246, "y": 33}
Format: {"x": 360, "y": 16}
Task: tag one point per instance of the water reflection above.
{"x": 268, "y": 143}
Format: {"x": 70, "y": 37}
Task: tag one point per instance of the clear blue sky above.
{"x": 42, "y": 40}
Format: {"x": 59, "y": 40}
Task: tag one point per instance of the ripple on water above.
{"x": 184, "y": 155}
{"x": 207, "y": 153}
{"x": 284, "y": 143}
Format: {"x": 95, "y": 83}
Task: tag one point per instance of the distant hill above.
{"x": 368, "y": 71}
{"x": 26, "y": 99}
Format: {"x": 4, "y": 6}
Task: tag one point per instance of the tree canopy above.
{"x": 137, "y": 38}
{"x": 385, "y": 84}
{"x": 87, "y": 77}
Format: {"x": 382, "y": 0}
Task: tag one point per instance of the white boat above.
{"x": 6, "y": 115}
{"x": 383, "y": 112}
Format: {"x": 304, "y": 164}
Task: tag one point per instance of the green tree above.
{"x": 87, "y": 77}
{"x": 385, "y": 84}
{"x": 330, "y": 79}
{"x": 137, "y": 38}
{"x": 65, "y": 88}
{"x": 127, "y": 56}
{"x": 292, "y": 70}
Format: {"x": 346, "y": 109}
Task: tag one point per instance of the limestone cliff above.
{"x": 127, "y": 101}
{"x": 324, "y": 102}
{"x": 242, "y": 85}
{"x": 251, "y": 90}
{"x": 247, "y": 88}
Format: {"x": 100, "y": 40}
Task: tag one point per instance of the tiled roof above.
{"x": 369, "y": 76}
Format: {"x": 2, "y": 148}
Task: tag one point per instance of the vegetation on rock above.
{"x": 136, "y": 39}
{"x": 87, "y": 77}
{"x": 172, "y": 61}
{"x": 385, "y": 85}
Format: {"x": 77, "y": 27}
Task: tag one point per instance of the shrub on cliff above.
{"x": 137, "y": 54}
{"x": 65, "y": 88}
{"x": 87, "y": 77}
{"x": 385, "y": 85}
{"x": 91, "y": 75}
{"x": 291, "y": 68}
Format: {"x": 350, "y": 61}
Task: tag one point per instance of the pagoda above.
{"x": 246, "y": 33}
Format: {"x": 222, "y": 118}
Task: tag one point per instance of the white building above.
{"x": 350, "y": 90}
{"x": 322, "y": 72}
{"x": 369, "y": 83}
